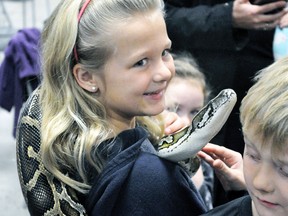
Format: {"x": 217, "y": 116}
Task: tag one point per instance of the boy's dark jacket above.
{"x": 238, "y": 207}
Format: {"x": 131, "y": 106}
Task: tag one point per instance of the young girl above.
{"x": 186, "y": 95}
{"x": 106, "y": 64}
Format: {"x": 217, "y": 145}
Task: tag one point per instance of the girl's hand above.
{"x": 228, "y": 166}
{"x": 172, "y": 122}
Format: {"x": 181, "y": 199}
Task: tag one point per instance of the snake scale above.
{"x": 46, "y": 195}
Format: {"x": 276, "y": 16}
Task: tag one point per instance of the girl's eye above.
{"x": 141, "y": 63}
{"x": 166, "y": 52}
{"x": 173, "y": 108}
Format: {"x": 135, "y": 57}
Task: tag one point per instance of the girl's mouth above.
{"x": 156, "y": 95}
{"x": 152, "y": 93}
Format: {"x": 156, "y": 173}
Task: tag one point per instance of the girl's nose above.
{"x": 163, "y": 72}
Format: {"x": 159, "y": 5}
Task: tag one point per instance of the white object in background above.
{"x": 280, "y": 43}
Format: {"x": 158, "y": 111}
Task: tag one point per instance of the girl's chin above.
{"x": 156, "y": 111}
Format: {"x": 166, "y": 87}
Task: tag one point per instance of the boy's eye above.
{"x": 282, "y": 168}
{"x": 283, "y": 171}
{"x": 254, "y": 157}
{"x": 252, "y": 154}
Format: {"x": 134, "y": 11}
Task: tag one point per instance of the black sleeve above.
{"x": 204, "y": 27}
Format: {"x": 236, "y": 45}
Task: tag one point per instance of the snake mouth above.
{"x": 211, "y": 108}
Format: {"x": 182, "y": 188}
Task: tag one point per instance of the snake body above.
{"x": 46, "y": 195}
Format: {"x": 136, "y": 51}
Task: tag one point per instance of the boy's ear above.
{"x": 85, "y": 79}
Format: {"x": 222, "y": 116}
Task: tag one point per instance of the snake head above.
{"x": 204, "y": 126}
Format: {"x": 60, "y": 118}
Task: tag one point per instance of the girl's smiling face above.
{"x": 135, "y": 77}
{"x": 266, "y": 176}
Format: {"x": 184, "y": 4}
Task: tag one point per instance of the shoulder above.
{"x": 159, "y": 187}
{"x": 240, "y": 206}
{"x": 151, "y": 168}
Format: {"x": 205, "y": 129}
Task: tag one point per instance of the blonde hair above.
{"x": 74, "y": 122}
{"x": 186, "y": 67}
{"x": 265, "y": 107}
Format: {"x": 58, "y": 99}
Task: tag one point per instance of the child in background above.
{"x": 186, "y": 94}
{"x": 102, "y": 72}
{"x": 264, "y": 118}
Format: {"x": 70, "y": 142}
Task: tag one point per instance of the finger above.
{"x": 174, "y": 127}
{"x": 208, "y": 153}
{"x": 172, "y": 122}
{"x": 227, "y": 156}
{"x": 217, "y": 151}
{"x": 206, "y": 157}
{"x": 284, "y": 20}
{"x": 270, "y": 7}
{"x": 221, "y": 168}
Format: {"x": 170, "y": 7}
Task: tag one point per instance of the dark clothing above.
{"x": 229, "y": 57}
{"x": 238, "y": 207}
{"x": 19, "y": 71}
{"x": 137, "y": 182}
{"x": 206, "y": 189}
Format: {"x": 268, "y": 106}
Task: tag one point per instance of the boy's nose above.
{"x": 263, "y": 180}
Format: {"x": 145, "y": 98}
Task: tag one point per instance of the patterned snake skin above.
{"x": 45, "y": 195}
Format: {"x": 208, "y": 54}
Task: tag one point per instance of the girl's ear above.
{"x": 85, "y": 79}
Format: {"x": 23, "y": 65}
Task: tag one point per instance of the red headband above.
{"x": 79, "y": 17}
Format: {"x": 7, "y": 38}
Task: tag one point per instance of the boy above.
{"x": 264, "y": 119}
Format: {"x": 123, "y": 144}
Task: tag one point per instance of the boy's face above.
{"x": 266, "y": 177}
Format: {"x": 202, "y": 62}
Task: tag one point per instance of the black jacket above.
{"x": 137, "y": 182}
{"x": 238, "y": 207}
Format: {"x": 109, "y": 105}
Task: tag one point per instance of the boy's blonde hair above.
{"x": 265, "y": 107}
